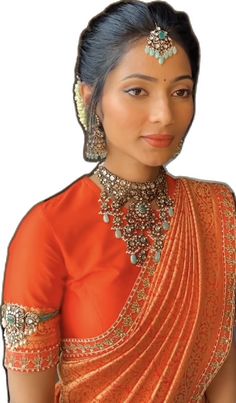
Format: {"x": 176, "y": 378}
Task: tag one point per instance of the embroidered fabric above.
{"x": 193, "y": 334}
{"x": 32, "y": 338}
{"x": 175, "y": 329}
{"x": 19, "y": 323}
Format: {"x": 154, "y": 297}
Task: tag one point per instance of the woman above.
{"x": 127, "y": 277}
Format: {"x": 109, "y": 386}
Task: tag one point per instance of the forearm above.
{"x": 32, "y": 387}
{"x": 223, "y": 386}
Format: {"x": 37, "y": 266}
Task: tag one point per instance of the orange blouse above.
{"x": 63, "y": 257}
{"x": 64, "y": 261}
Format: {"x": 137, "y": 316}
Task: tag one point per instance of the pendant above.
{"x": 142, "y": 225}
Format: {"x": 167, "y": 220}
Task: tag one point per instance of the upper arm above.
{"x": 32, "y": 295}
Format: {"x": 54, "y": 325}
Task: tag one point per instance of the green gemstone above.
{"x": 157, "y": 257}
{"x": 162, "y": 35}
{"x": 118, "y": 233}
{"x": 142, "y": 208}
{"x": 166, "y": 55}
{"x": 106, "y": 218}
{"x": 170, "y": 52}
{"x": 166, "y": 225}
{"x": 133, "y": 259}
{"x": 157, "y": 54}
{"x": 171, "y": 212}
{"x": 161, "y": 60}
{"x": 11, "y": 319}
{"x": 174, "y": 50}
{"x": 147, "y": 50}
{"x": 151, "y": 52}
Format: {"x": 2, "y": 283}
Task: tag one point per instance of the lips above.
{"x": 158, "y": 140}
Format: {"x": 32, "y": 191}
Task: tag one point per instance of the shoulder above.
{"x": 76, "y": 193}
{"x": 44, "y": 218}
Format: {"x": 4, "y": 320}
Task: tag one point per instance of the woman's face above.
{"x": 142, "y": 102}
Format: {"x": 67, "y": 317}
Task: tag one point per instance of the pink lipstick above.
{"x": 159, "y": 140}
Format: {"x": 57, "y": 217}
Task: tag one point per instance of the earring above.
{"x": 95, "y": 144}
{"x": 95, "y": 140}
{"x": 179, "y": 149}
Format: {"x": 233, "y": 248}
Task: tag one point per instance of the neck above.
{"x": 132, "y": 171}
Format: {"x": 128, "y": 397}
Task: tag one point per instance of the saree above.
{"x": 158, "y": 334}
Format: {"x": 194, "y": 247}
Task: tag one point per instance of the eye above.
{"x": 135, "y": 92}
{"x": 183, "y": 93}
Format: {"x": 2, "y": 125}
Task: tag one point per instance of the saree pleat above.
{"x": 172, "y": 345}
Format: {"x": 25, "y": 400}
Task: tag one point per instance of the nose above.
{"x": 160, "y": 111}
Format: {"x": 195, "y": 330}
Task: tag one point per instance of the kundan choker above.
{"x": 144, "y": 221}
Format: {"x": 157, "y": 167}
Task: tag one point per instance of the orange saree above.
{"x": 157, "y": 334}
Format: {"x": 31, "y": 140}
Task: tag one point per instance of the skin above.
{"x": 158, "y": 102}
{"x": 35, "y": 387}
{"x": 129, "y": 109}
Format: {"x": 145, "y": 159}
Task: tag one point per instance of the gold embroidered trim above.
{"x": 225, "y": 336}
{"x": 32, "y": 361}
{"x": 20, "y": 322}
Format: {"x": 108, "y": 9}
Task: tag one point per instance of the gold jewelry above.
{"x": 160, "y": 45}
{"x": 19, "y": 323}
{"x": 95, "y": 141}
{"x": 95, "y": 144}
{"x": 146, "y": 220}
{"x": 81, "y": 111}
{"x": 179, "y": 149}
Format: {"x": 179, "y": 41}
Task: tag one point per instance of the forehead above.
{"x": 135, "y": 60}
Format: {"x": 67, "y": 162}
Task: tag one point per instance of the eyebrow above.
{"x": 154, "y": 79}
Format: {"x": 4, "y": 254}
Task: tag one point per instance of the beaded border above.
{"x": 32, "y": 360}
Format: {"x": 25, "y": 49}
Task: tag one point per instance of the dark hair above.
{"x": 110, "y": 34}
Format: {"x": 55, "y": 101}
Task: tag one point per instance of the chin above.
{"x": 156, "y": 161}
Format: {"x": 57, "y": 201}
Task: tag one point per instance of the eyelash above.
{"x": 134, "y": 89}
{"x": 187, "y": 92}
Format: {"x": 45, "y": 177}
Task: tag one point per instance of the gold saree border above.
{"x": 225, "y": 336}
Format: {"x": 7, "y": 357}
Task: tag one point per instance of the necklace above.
{"x": 143, "y": 224}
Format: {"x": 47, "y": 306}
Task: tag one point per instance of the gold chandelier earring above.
{"x": 95, "y": 140}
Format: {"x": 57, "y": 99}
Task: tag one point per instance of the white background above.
{"x": 41, "y": 141}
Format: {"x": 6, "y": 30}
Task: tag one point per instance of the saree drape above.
{"x": 176, "y": 329}
{"x": 160, "y": 334}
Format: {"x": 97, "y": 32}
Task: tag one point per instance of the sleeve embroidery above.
{"x": 29, "y": 361}
{"x": 32, "y": 338}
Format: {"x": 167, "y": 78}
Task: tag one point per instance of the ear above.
{"x": 86, "y": 92}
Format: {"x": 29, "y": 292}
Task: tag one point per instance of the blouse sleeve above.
{"x": 32, "y": 295}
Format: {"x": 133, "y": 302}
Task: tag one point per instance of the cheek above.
{"x": 118, "y": 113}
{"x": 184, "y": 115}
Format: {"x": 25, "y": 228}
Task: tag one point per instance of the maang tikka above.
{"x": 95, "y": 142}
{"x": 160, "y": 45}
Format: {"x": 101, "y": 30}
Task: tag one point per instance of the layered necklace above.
{"x": 139, "y": 213}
